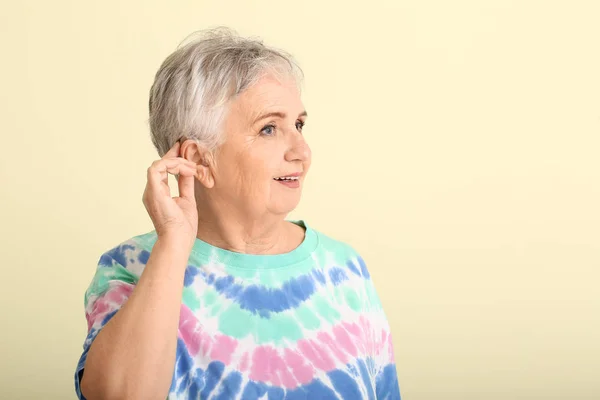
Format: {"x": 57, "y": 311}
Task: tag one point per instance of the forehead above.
{"x": 270, "y": 93}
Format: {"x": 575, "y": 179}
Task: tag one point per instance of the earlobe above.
{"x": 205, "y": 171}
{"x": 205, "y": 175}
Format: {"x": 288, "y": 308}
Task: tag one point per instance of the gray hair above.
{"x": 194, "y": 84}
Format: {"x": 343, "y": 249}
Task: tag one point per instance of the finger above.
{"x": 159, "y": 171}
{"x": 187, "y": 179}
{"x": 173, "y": 151}
{"x": 177, "y": 169}
{"x": 162, "y": 165}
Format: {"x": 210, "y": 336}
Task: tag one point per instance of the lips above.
{"x": 287, "y": 178}
{"x": 291, "y": 181}
{"x": 290, "y": 177}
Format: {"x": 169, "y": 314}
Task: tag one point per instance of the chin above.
{"x": 285, "y": 207}
{"x": 286, "y": 210}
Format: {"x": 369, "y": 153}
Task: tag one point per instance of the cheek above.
{"x": 254, "y": 172}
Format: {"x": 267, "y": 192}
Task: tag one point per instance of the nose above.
{"x": 298, "y": 149}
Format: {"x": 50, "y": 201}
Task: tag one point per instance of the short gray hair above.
{"x": 194, "y": 84}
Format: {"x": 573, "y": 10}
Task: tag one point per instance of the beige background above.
{"x": 456, "y": 145}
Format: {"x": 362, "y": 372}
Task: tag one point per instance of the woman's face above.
{"x": 261, "y": 166}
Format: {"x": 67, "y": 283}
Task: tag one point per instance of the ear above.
{"x": 192, "y": 150}
{"x": 206, "y": 170}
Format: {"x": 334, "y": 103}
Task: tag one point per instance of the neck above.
{"x": 232, "y": 231}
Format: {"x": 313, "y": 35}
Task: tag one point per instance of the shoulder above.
{"x": 131, "y": 254}
{"x": 346, "y": 265}
{"x": 335, "y": 251}
{"x": 119, "y": 268}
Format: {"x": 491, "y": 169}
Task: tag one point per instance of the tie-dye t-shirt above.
{"x": 307, "y": 324}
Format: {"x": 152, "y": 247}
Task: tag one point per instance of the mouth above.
{"x": 287, "y": 178}
{"x": 291, "y": 181}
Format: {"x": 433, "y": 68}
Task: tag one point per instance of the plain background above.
{"x": 456, "y": 145}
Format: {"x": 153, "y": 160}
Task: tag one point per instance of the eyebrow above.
{"x": 278, "y": 114}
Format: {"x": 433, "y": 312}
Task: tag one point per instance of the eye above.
{"x": 300, "y": 125}
{"x": 268, "y": 130}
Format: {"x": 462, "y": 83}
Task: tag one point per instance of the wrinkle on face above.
{"x": 248, "y": 161}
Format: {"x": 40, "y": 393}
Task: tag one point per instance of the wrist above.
{"x": 175, "y": 242}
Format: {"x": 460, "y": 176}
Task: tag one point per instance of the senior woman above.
{"x": 226, "y": 299}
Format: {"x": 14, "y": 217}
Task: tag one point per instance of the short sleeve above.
{"x": 386, "y": 376}
{"x": 116, "y": 275}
